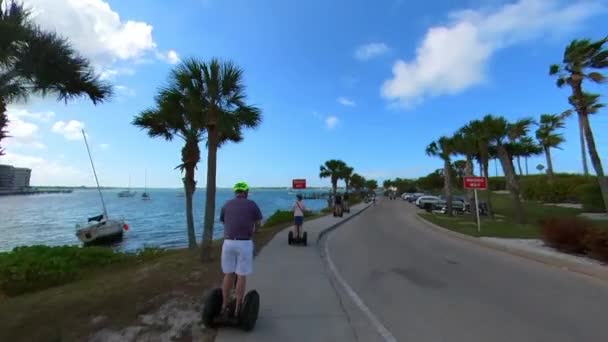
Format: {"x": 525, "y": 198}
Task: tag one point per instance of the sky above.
{"x": 369, "y": 83}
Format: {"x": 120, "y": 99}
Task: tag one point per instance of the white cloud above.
{"x": 112, "y": 73}
{"x": 22, "y": 132}
{"x": 454, "y": 57}
{"x": 371, "y": 50}
{"x": 346, "y": 101}
{"x": 124, "y": 90}
{"x": 170, "y": 57}
{"x": 331, "y": 121}
{"x": 104, "y": 146}
{"x": 46, "y": 172}
{"x": 70, "y": 130}
{"x": 96, "y": 30}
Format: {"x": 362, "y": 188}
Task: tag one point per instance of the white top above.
{"x": 298, "y": 208}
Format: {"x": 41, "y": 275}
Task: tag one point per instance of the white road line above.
{"x": 386, "y": 335}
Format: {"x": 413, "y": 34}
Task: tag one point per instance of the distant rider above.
{"x": 298, "y": 214}
{"x": 241, "y": 217}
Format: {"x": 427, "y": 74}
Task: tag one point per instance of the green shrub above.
{"x": 590, "y": 197}
{"x": 596, "y": 244}
{"x": 32, "y": 268}
{"x": 497, "y": 183}
{"x": 565, "y": 234}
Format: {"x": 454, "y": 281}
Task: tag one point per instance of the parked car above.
{"x": 426, "y": 202}
{"x": 458, "y": 206}
{"x": 415, "y": 196}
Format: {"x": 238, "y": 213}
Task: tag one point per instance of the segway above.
{"x": 246, "y": 318}
{"x": 295, "y": 240}
{"x": 338, "y": 210}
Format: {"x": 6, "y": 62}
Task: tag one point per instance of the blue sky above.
{"x": 371, "y": 84}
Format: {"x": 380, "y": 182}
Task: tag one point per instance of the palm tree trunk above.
{"x": 189, "y": 188}
{"x": 582, "y": 133}
{"x": 549, "y": 162}
{"x": 447, "y": 186}
{"x": 210, "y": 192}
{"x": 526, "y": 161}
{"x": 519, "y": 166}
{"x": 595, "y": 160}
{"x": 3, "y": 122}
{"x": 468, "y": 171}
{"x": 512, "y": 183}
{"x": 486, "y": 173}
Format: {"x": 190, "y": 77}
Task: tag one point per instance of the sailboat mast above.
{"x": 145, "y": 180}
{"x": 103, "y": 204}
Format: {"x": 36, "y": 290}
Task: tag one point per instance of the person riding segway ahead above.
{"x": 230, "y": 305}
{"x": 338, "y": 205}
{"x": 298, "y": 215}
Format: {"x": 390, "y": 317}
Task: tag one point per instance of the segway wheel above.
{"x": 290, "y": 237}
{"x": 249, "y": 313}
{"x": 305, "y": 238}
{"x": 212, "y": 307}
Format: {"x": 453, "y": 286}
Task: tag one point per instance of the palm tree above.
{"x": 481, "y": 130}
{"x": 466, "y": 144}
{"x": 580, "y": 58}
{"x": 371, "y": 184}
{"x": 347, "y": 173}
{"x": 333, "y": 169}
{"x": 548, "y": 138}
{"x": 528, "y": 148}
{"x": 179, "y": 113}
{"x": 590, "y": 105}
{"x": 443, "y": 148}
{"x": 3, "y": 132}
{"x": 226, "y": 113}
{"x": 357, "y": 181}
{"x": 37, "y": 62}
{"x": 503, "y": 134}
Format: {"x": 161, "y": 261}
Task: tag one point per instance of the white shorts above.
{"x": 237, "y": 257}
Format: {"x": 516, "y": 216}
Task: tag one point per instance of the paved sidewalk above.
{"x": 298, "y": 300}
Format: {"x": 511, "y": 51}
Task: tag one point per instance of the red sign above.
{"x": 299, "y": 184}
{"x": 471, "y": 182}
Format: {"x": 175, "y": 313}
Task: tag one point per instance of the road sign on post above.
{"x": 298, "y": 184}
{"x": 476, "y": 183}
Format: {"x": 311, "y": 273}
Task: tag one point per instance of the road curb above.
{"x": 324, "y": 231}
{"x": 597, "y": 272}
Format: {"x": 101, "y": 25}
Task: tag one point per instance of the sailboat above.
{"x": 145, "y": 196}
{"x": 99, "y": 229}
{"x": 128, "y": 192}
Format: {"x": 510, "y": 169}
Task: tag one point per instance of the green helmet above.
{"x": 241, "y": 187}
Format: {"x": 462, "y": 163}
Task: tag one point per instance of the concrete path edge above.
{"x": 597, "y": 272}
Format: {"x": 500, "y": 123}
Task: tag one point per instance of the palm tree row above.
{"x": 202, "y": 101}
{"x": 38, "y": 62}
{"x": 337, "y": 170}
{"x": 495, "y": 137}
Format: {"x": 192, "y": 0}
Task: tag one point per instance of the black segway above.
{"x": 246, "y": 318}
{"x": 296, "y": 240}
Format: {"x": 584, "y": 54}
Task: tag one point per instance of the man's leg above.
{"x": 227, "y": 285}
{"x": 229, "y": 263}
{"x": 243, "y": 269}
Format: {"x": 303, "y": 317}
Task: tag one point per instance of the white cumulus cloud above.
{"x": 95, "y": 29}
{"x": 70, "y": 130}
{"x": 454, "y": 57}
{"x": 21, "y": 131}
{"x": 45, "y": 172}
{"x": 331, "y": 121}
{"x": 371, "y": 50}
{"x": 104, "y": 146}
{"x": 346, "y": 101}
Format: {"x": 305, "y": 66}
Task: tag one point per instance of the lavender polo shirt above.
{"x": 239, "y": 216}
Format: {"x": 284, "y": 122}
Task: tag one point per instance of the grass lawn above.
{"x": 503, "y": 225}
{"x": 120, "y": 292}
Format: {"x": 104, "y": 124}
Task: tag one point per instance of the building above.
{"x": 14, "y": 178}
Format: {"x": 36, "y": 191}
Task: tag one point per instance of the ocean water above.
{"x": 50, "y": 219}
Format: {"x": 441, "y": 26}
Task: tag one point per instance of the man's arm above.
{"x": 258, "y": 219}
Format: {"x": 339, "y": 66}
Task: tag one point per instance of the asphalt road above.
{"x": 425, "y": 286}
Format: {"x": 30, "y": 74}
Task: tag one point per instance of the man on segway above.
{"x": 241, "y": 217}
{"x": 298, "y": 214}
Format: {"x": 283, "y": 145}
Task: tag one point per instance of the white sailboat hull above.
{"x": 100, "y": 231}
